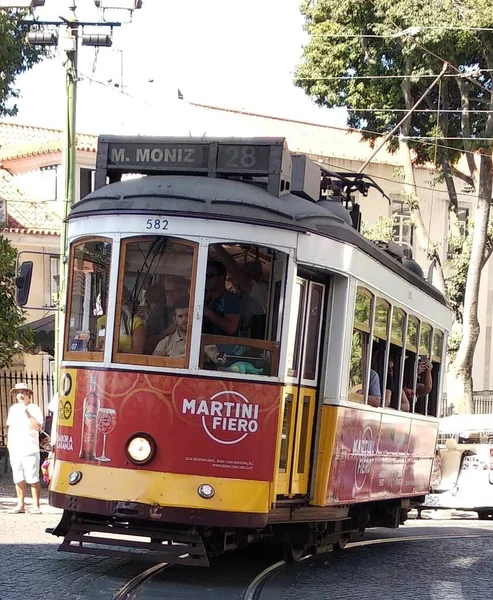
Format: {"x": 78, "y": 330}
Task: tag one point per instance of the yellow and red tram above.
{"x": 266, "y": 432}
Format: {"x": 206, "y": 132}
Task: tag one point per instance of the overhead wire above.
{"x": 393, "y": 35}
{"x": 463, "y": 74}
{"x": 412, "y": 33}
{"x": 360, "y": 131}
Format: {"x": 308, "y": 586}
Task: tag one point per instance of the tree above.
{"x": 16, "y": 57}
{"x": 383, "y": 54}
{"x": 13, "y": 340}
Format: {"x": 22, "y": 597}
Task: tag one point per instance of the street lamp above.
{"x": 42, "y": 38}
{"x": 96, "y": 39}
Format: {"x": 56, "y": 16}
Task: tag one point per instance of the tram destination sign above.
{"x": 154, "y": 156}
{"x": 132, "y": 156}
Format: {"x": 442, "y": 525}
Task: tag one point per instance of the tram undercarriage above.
{"x": 199, "y": 545}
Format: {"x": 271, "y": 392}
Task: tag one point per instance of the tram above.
{"x": 257, "y": 415}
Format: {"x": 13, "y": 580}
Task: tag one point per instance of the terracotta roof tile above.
{"x": 23, "y": 230}
{"x": 18, "y": 141}
{"x": 29, "y": 214}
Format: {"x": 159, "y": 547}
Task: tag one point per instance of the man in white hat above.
{"x": 24, "y": 422}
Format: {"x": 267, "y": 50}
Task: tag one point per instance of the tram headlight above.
{"x": 206, "y": 491}
{"x": 140, "y": 448}
{"x": 74, "y": 477}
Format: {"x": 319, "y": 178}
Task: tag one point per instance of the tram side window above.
{"x": 88, "y": 292}
{"x": 393, "y": 393}
{"x": 417, "y": 381}
{"x": 155, "y": 297}
{"x": 436, "y": 360}
{"x": 243, "y": 297}
{"x": 361, "y": 354}
{"x": 379, "y": 347}
{"x": 426, "y": 390}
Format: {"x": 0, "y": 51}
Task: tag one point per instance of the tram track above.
{"x": 255, "y": 587}
{"x": 253, "y": 591}
{"x": 131, "y": 589}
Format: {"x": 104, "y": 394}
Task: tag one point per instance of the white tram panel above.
{"x": 336, "y": 256}
{"x": 120, "y": 226}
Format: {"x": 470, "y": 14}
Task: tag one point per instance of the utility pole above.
{"x": 45, "y": 33}
{"x": 70, "y": 148}
{"x": 69, "y": 161}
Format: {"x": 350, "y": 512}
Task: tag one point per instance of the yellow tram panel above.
{"x": 161, "y": 489}
{"x": 324, "y": 453}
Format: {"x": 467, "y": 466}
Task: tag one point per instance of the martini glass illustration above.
{"x": 106, "y": 423}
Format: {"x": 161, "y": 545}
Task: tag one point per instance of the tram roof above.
{"x": 237, "y": 201}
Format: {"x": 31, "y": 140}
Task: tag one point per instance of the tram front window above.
{"x": 88, "y": 292}
{"x": 241, "y": 319}
{"x": 155, "y": 299}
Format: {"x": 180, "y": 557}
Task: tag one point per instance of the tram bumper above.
{"x": 119, "y": 539}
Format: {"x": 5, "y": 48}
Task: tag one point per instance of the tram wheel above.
{"x": 485, "y": 515}
{"x": 341, "y": 544}
{"x": 293, "y": 552}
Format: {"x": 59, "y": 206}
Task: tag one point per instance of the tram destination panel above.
{"x": 153, "y": 156}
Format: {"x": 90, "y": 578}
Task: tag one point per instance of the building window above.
{"x": 463, "y": 217}
{"x": 47, "y": 184}
{"x": 403, "y": 229}
{"x": 54, "y": 281}
{"x": 86, "y": 182}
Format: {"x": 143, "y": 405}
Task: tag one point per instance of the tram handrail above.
{"x": 218, "y": 340}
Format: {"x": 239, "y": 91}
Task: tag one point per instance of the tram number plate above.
{"x": 243, "y": 158}
{"x": 157, "y": 224}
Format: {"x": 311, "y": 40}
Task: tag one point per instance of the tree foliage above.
{"x": 338, "y": 50}
{"x": 377, "y": 58}
{"x": 380, "y": 231}
{"x": 13, "y": 340}
{"x": 16, "y": 57}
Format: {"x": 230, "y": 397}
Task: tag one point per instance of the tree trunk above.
{"x": 460, "y": 390}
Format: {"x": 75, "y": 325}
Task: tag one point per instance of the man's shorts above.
{"x": 25, "y": 468}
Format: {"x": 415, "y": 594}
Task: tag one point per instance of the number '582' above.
{"x": 157, "y": 224}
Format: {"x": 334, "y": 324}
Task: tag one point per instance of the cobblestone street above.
{"x": 31, "y": 568}
{"x": 450, "y": 561}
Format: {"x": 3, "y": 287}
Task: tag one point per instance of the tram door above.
{"x": 300, "y": 395}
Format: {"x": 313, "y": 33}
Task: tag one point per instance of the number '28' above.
{"x": 241, "y": 157}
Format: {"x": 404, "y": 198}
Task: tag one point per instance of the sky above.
{"x": 238, "y": 55}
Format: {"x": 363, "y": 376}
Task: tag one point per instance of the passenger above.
{"x": 222, "y": 308}
{"x": 174, "y": 345}
{"x": 247, "y": 282}
{"x": 158, "y": 318}
{"x": 132, "y": 330}
{"x": 176, "y": 290}
{"x": 424, "y": 383}
{"x": 405, "y": 406}
{"x": 374, "y": 389}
